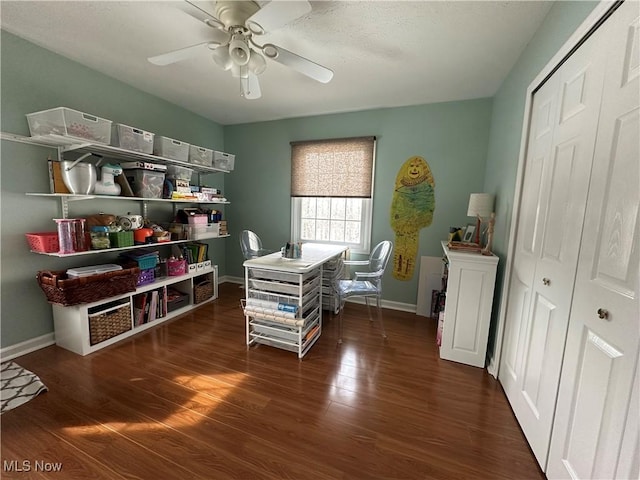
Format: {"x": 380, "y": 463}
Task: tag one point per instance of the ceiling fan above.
{"x": 234, "y": 48}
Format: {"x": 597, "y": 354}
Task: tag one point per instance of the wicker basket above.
{"x": 109, "y": 323}
{"x": 65, "y": 291}
{"x": 202, "y": 291}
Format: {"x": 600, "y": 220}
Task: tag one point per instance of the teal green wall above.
{"x": 507, "y": 120}
{"x": 452, "y": 137}
{"x": 35, "y": 79}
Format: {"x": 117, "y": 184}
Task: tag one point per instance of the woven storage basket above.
{"x": 72, "y": 291}
{"x": 105, "y": 325}
{"x": 202, "y": 291}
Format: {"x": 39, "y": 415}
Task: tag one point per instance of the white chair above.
{"x": 367, "y": 282}
{"x": 251, "y": 245}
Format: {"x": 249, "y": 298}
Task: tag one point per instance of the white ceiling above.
{"x": 383, "y": 53}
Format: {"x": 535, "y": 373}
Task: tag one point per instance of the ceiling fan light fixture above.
{"x": 222, "y": 58}
{"x": 257, "y": 64}
{"x": 239, "y": 51}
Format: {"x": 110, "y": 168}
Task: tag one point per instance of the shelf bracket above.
{"x": 64, "y": 207}
{"x": 145, "y": 209}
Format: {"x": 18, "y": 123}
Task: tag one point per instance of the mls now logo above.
{"x": 28, "y": 465}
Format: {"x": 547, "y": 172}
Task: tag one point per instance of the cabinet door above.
{"x": 559, "y": 159}
{"x": 596, "y": 432}
{"x": 470, "y": 286}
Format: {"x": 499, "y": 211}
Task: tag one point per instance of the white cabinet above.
{"x": 467, "y": 312}
{"x": 88, "y": 327}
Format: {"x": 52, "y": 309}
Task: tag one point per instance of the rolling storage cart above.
{"x": 283, "y": 309}
{"x": 284, "y": 298}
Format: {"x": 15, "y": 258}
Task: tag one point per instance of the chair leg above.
{"x": 366, "y": 300}
{"x": 341, "y": 309}
{"x": 384, "y": 333}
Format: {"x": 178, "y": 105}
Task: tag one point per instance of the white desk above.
{"x": 272, "y": 281}
{"x": 313, "y": 256}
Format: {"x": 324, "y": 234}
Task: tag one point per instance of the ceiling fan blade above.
{"x": 182, "y": 53}
{"x": 199, "y": 11}
{"x": 250, "y": 86}
{"x": 275, "y": 14}
{"x": 298, "y": 63}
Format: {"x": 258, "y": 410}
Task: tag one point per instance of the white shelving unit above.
{"x": 71, "y": 323}
{"x": 467, "y": 312}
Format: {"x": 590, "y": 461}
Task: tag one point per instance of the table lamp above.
{"x": 480, "y": 205}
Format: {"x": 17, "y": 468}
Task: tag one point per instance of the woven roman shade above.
{"x": 340, "y": 167}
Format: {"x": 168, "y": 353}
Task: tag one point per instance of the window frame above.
{"x": 366, "y": 220}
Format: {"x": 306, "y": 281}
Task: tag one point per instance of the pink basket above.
{"x": 44, "y": 242}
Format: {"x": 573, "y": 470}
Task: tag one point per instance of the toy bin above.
{"x": 200, "y": 156}
{"x": 131, "y": 138}
{"x": 223, "y": 161}
{"x": 70, "y": 123}
{"x": 170, "y": 148}
{"x": 145, "y": 183}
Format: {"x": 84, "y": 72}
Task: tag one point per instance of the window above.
{"x": 331, "y": 191}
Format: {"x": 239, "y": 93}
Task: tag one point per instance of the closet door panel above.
{"x": 553, "y": 225}
{"x": 596, "y": 430}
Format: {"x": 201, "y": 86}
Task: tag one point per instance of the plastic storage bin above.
{"x": 170, "y": 148}
{"x": 176, "y": 172}
{"x": 200, "y": 156}
{"x": 43, "y": 242}
{"x": 93, "y": 270}
{"x": 70, "y": 123}
{"x": 145, "y": 183}
{"x": 224, "y": 161}
{"x": 146, "y": 277}
{"x": 131, "y": 138}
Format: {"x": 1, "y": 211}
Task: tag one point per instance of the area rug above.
{"x": 17, "y": 386}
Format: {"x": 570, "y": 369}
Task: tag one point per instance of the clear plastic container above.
{"x": 72, "y": 235}
{"x": 179, "y": 173}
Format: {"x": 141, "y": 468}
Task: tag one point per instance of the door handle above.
{"x": 602, "y": 313}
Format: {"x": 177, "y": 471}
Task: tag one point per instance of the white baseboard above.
{"x": 403, "y": 307}
{"x": 28, "y": 346}
{"x": 231, "y": 279}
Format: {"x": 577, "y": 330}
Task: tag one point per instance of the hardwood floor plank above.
{"x": 189, "y": 400}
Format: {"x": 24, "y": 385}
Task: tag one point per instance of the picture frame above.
{"x": 469, "y": 233}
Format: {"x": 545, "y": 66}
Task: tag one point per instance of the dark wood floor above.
{"x": 188, "y": 400}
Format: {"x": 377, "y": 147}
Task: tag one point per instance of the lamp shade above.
{"x": 222, "y": 58}
{"x": 480, "y": 204}
{"x": 239, "y": 51}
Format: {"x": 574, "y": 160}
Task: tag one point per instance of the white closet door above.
{"x": 595, "y": 434}
{"x": 546, "y": 255}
